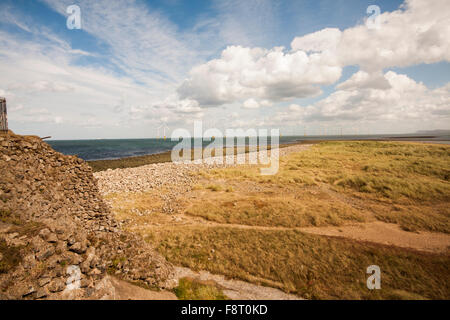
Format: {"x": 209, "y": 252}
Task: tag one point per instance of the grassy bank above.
{"x": 194, "y": 289}
{"x": 314, "y": 267}
{"x": 130, "y": 162}
{"x": 403, "y": 183}
{"x": 228, "y": 220}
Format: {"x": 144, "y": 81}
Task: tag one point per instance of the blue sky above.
{"x": 137, "y": 64}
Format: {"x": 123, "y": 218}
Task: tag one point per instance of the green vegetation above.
{"x": 214, "y": 187}
{"x": 403, "y": 183}
{"x": 116, "y": 262}
{"x": 272, "y": 209}
{"x": 131, "y": 162}
{"x": 6, "y": 216}
{"x": 194, "y": 289}
{"x": 390, "y": 170}
{"x": 28, "y": 228}
{"x": 11, "y": 257}
{"x": 315, "y": 267}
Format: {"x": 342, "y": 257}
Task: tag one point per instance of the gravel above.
{"x": 170, "y": 174}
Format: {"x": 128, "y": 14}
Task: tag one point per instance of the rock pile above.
{"x": 170, "y": 179}
{"x": 179, "y": 174}
{"x": 58, "y": 238}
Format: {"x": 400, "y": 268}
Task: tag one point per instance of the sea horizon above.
{"x": 109, "y": 149}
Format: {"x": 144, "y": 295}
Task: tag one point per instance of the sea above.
{"x": 106, "y": 149}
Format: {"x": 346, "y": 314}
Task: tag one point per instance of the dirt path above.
{"x": 387, "y": 233}
{"x": 376, "y": 231}
{"x": 127, "y": 291}
{"x": 236, "y": 289}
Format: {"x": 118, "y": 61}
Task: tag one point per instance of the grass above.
{"x": 385, "y": 169}
{"x": 403, "y": 183}
{"x": 6, "y": 216}
{"x": 28, "y": 228}
{"x": 11, "y": 257}
{"x": 194, "y": 289}
{"x": 314, "y": 267}
{"x": 332, "y": 183}
{"x": 130, "y": 162}
{"x": 214, "y": 187}
{"x": 285, "y": 209}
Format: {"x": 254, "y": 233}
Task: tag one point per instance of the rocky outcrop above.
{"x": 58, "y": 238}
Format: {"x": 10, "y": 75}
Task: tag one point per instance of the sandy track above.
{"x": 387, "y": 233}
{"x": 236, "y": 289}
{"x": 127, "y": 291}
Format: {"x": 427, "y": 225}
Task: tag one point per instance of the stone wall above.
{"x": 53, "y": 222}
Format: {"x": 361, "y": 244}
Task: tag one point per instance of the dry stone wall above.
{"x": 58, "y": 239}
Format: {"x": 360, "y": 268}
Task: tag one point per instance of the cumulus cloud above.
{"x": 44, "y": 70}
{"x": 404, "y": 99}
{"x": 256, "y": 73}
{"x": 365, "y": 80}
{"x": 324, "y": 40}
{"x": 416, "y": 33}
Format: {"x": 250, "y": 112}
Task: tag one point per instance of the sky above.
{"x": 304, "y": 67}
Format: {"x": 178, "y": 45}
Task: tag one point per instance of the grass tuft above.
{"x": 194, "y": 289}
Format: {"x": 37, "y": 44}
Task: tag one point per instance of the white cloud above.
{"x": 418, "y": 33}
{"x": 250, "y": 104}
{"x": 403, "y": 100}
{"x": 142, "y": 42}
{"x": 365, "y": 80}
{"x": 245, "y": 73}
{"x": 42, "y": 85}
{"x": 323, "y": 40}
{"x": 44, "y": 71}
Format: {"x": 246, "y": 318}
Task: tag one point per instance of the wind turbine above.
{"x": 163, "y": 126}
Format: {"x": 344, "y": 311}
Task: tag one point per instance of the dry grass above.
{"x": 130, "y": 162}
{"x": 404, "y": 183}
{"x": 333, "y": 183}
{"x": 312, "y": 266}
{"x": 272, "y": 207}
{"x": 135, "y": 204}
{"x": 11, "y": 257}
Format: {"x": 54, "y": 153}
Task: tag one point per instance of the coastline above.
{"x": 162, "y": 157}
